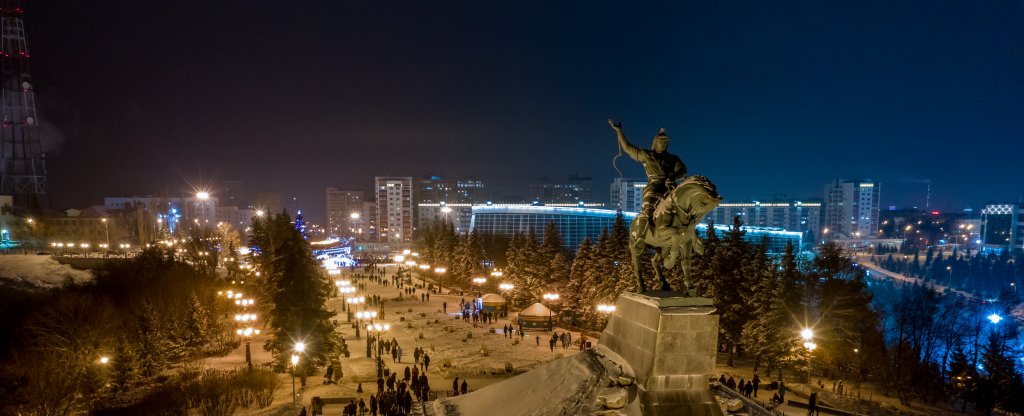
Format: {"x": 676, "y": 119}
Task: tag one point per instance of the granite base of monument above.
{"x": 670, "y": 341}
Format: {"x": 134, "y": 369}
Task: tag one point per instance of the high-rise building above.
{"x": 344, "y": 212}
{"x": 21, "y": 158}
{"x": 627, "y": 194}
{"x": 1002, "y": 226}
{"x": 575, "y": 189}
{"x": 799, "y": 216}
{"x": 851, "y": 209}
{"x": 435, "y": 191}
{"x": 394, "y": 208}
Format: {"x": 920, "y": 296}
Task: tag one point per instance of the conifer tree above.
{"x": 297, "y": 294}
{"x": 151, "y": 343}
{"x": 580, "y": 292}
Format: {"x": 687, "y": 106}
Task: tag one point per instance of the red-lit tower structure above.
{"x": 21, "y": 156}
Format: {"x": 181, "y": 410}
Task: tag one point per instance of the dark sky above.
{"x": 765, "y": 98}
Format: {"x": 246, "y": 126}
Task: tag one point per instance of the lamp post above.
{"x": 295, "y": 363}
{"x": 440, "y": 272}
{"x": 479, "y": 282}
{"x": 355, "y": 300}
{"x": 949, "y": 283}
{"x": 203, "y": 197}
{"x": 247, "y": 332}
{"x": 106, "y": 230}
{"x": 365, "y": 317}
{"x": 808, "y": 335}
{"x": 505, "y": 288}
{"x": 300, "y": 347}
{"x": 551, "y": 298}
{"x": 606, "y": 310}
{"x": 424, "y": 268}
{"x": 378, "y": 330}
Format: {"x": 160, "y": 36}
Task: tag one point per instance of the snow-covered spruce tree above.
{"x": 297, "y": 292}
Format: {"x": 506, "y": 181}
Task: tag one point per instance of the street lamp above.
{"x": 295, "y": 363}
{"x": 365, "y": 317}
{"x": 479, "y": 281}
{"x": 440, "y": 271}
{"x": 808, "y": 335}
{"x": 355, "y": 300}
{"x": 106, "y": 229}
{"x": 950, "y": 270}
{"x": 203, "y": 197}
{"x": 505, "y": 288}
{"x": 424, "y": 268}
{"x": 551, "y": 298}
{"x": 378, "y": 330}
{"x": 606, "y": 310}
{"x": 247, "y": 332}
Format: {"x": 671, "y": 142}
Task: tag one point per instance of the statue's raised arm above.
{"x": 629, "y": 148}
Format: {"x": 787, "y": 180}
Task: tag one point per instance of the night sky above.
{"x": 141, "y": 97}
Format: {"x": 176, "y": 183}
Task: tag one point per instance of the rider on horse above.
{"x": 663, "y": 170}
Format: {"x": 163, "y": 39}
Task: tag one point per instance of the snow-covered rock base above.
{"x": 593, "y": 382}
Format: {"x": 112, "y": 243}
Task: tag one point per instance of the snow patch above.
{"x": 37, "y": 272}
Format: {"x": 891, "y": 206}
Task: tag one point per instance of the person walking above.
{"x": 812, "y": 404}
{"x": 399, "y": 354}
{"x": 554, "y": 339}
{"x": 782, "y": 391}
{"x": 455, "y": 386}
{"x": 426, "y": 363}
{"x": 757, "y": 384}
{"x": 465, "y": 388}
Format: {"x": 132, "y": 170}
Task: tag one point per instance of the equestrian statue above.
{"x": 670, "y": 212}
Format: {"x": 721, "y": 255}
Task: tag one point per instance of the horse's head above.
{"x": 696, "y": 197}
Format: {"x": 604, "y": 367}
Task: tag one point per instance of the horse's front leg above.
{"x": 658, "y": 270}
{"x": 687, "y": 253}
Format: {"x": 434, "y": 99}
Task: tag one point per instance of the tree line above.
{"x": 918, "y": 345}
{"x": 129, "y": 341}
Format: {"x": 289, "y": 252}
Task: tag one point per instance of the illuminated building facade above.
{"x": 341, "y": 205}
{"x": 799, "y": 216}
{"x": 575, "y": 224}
{"x": 1002, "y": 226}
{"x": 851, "y": 209}
{"x": 394, "y": 208}
{"x": 575, "y": 189}
{"x": 627, "y": 194}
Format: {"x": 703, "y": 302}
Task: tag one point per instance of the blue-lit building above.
{"x": 574, "y": 223}
{"x": 577, "y": 223}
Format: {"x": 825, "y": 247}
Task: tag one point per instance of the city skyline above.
{"x": 763, "y": 99}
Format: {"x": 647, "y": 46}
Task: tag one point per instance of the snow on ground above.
{"x": 567, "y": 386}
{"x": 35, "y": 271}
{"x": 475, "y": 352}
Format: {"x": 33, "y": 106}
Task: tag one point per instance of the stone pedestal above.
{"x": 671, "y": 344}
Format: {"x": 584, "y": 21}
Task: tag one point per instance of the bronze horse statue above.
{"x": 674, "y": 232}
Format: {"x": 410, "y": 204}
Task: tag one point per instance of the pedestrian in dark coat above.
{"x": 812, "y": 404}
{"x": 426, "y": 363}
{"x": 757, "y": 383}
{"x": 465, "y": 387}
{"x": 373, "y": 405}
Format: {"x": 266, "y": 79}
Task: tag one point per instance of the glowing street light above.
{"x": 551, "y": 298}
{"x": 440, "y": 271}
{"x": 808, "y": 335}
{"x": 378, "y": 331}
{"x": 994, "y": 318}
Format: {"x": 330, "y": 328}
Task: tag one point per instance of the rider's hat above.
{"x": 660, "y": 136}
